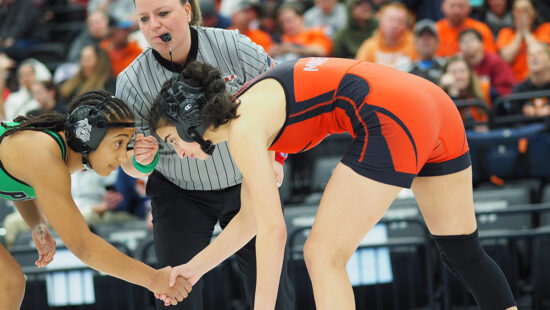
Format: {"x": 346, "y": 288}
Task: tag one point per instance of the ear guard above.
{"x": 86, "y": 126}
{"x": 181, "y": 104}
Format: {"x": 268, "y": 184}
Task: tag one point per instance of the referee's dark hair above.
{"x": 116, "y": 111}
{"x": 219, "y": 106}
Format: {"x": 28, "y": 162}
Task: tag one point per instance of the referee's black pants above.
{"x": 184, "y": 221}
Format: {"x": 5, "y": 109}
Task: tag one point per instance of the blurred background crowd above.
{"x": 53, "y": 50}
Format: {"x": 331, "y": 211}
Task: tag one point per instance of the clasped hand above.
{"x": 183, "y": 272}
{"x": 171, "y": 294}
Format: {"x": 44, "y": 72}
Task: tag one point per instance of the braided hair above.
{"x": 115, "y": 111}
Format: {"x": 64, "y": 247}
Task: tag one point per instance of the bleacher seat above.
{"x": 50, "y": 54}
{"x": 408, "y": 286}
{"x": 65, "y": 32}
{"x": 545, "y": 198}
{"x": 64, "y": 13}
{"x": 5, "y": 209}
{"x": 541, "y": 272}
{"x": 486, "y": 200}
{"x": 129, "y": 233}
{"x": 285, "y": 191}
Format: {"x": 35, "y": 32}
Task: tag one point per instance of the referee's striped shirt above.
{"x": 239, "y": 60}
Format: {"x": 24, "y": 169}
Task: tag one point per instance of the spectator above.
{"x": 121, "y": 52}
{"x": 99, "y": 199}
{"x": 456, "y": 19}
{"x": 487, "y": 65}
{"x": 497, "y": 14}
{"x": 297, "y": 41}
{"x": 135, "y": 201}
{"x": 538, "y": 61}
{"x": 361, "y": 26}
{"x": 460, "y": 82}
{"x": 97, "y": 29}
{"x": 115, "y": 9}
{"x": 46, "y": 94}
{"x": 95, "y": 73}
{"x": 267, "y": 18}
{"x": 211, "y": 17}
{"x": 245, "y": 20}
{"x": 6, "y": 64}
{"x": 513, "y": 43}
{"x": 428, "y": 65}
{"x": 21, "y": 101}
{"x": 20, "y": 28}
{"x": 330, "y": 15}
{"x": 393, "y": 44}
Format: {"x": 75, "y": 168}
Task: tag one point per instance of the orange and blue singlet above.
{"x": 402, "y": 125}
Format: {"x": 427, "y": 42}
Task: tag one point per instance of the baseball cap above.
{"x": 124, "y": 24}
{"x": 423, "y": 25}
{"x": 246, "y": 4}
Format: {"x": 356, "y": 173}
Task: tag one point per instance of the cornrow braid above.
{"x": 53, "y": 121}
{"x": 116, "y": 111}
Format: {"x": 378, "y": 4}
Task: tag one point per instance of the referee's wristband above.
{"x": 146, "y": 168}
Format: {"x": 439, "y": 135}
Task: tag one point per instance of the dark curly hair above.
{"x": 219, "y": 106}
{"x": 116, "y": 111}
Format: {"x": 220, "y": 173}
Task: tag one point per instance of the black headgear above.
{"x": 86, "y": 126}
{"x": 181, "y": 104}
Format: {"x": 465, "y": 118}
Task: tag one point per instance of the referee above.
{"x": 189, "y": 196}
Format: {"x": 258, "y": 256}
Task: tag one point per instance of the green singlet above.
{"x": 12, "y": 188}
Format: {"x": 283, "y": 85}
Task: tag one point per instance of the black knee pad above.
{"x": 459, "y": 250}
{"x": 464, "y": 255}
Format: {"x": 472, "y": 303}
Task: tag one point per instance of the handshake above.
{"x": 173, "y": 285}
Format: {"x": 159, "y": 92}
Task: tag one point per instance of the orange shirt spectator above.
{"x": 121, "y": 58}
{"x": 259, "y": 37}
{"x": 448, "y": 36}
{"x": 315, "y": 36}
{"x": 398, "y": 56}
{"x": 246, "y": 13}
{"x": 519, "y": 64}
{"x": 393, "y": 43}
{"x": 121, "y": 52}
{"x": 296, "y": 40}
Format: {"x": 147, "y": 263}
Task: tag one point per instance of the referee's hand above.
{"x": 145, "y": 149}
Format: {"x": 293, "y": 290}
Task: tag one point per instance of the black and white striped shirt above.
{"x": 239, "y": 60}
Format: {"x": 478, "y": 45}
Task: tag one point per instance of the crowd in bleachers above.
{"x": 472, "y": 49}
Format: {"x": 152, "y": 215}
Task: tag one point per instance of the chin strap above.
{"x": 86, "y": 162}
{"x": 207, "y": 146}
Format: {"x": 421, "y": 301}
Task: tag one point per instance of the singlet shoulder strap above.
{"x": 59, "y": 141}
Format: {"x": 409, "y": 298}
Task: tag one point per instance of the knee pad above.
{"x": 464, "y": 255}
{"x": 459, "y": 250}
